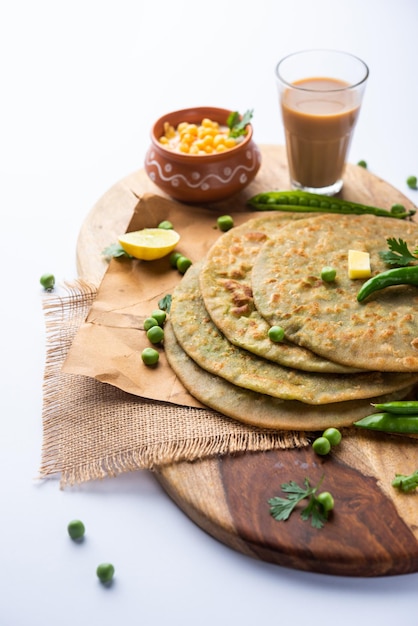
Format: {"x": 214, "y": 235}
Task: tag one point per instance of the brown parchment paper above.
{"x": 109, "y": 343}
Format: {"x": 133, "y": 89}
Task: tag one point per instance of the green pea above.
{"x": 412, "y": 181}
{"x": 166, "y": 225}
{"x": 225, "y": 222}
{"x": 155, "y": 334}
{"x": 276, "y": 334}
{"x": 105, "y": 572}
{"x": 326, "y": 500}
{"x": 47, "y": 281}
{"x": 328, "y": 274}
{"x": 159, "y": 316}
{"x": 150, "y": 356}
{"x": 149, "y": 322}
{"x": 183, "y": 264}
{"x": 173, "y": 258}
{"x": 362, "y": 164}
{"x": 333, "y": 435}
{"x": 76, "y": 529}
{"x": 321, "y": 446}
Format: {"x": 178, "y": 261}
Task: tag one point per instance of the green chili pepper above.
{"x": 303, "y": 201}
{"x": 390, "y": 423}
{"x": 396, "y": 276}
{"x": 401, "y": 407}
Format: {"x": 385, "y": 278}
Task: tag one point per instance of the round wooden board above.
{"x": 374, "y": 528}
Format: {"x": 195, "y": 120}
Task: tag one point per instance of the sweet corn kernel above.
{"x": 169, "y": 130}
{"x": 208, "y": 141}
{"x": 188, "y": 138}
{"x": 219, "y": 139}
{"x": 192, "y": 129}
{"x": 209, "y": 123}
{"x": 184, "y": 147}
{"x": 230, "y": 142}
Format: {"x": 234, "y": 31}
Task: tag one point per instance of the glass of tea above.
{"x": 320, "y": 93}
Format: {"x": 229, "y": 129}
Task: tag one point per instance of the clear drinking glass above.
{"x": 320, "y": 94}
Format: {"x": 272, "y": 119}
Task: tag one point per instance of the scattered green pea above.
{"x": 173, "y": 258}
{"x": 105, "y": 572}
{"x": 76, "y": 529}
{"x": 166, "y": 225}
{"x": 333, "y": 435}
{"x": 183, "y": 264}
{"x": 328, "y": 274}
{"x": 225, "y": 222}
{"x": 321, "y": 446}
{"x": 276, "y": 333}
{"x": 150, "y": 356}
{"x": 362, "y": 163}
{"x": 412, "y": 181}
{"x": 159, "y": 316}
{"x": 155, "y": 334}
{"x": 326, "y": 500}
{"x": 149, "y": 322}
{"x": 47, "y": 281}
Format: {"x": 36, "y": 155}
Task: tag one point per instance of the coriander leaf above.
{"x": 237, "y": 124}
{"x": 282, "y": 508}
{"x": 314, "y": 510}
{"x": 233, "y": 119}
{"x": 115, "y": 250}
{"x": 406, "y": 483}
{"x": 165, "y": 303}
{"x": 398, "y": 253}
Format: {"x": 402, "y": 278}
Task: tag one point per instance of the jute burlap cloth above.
{"x": 94, "y": 430}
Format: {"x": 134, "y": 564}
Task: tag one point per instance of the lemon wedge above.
{"x": 149, "y": 244}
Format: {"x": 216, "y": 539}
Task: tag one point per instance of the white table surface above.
{"x": 81, "y": 84}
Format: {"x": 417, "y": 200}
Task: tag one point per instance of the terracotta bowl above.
{"x": 201, "y": 178}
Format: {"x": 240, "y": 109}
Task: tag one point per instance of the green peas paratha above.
{"x": 380, "y": 333}
{"x": 225, "y": 283}
{"x": 208, "y": 347}
{"x": 261, "y": 410}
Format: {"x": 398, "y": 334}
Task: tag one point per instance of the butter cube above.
{"x": 358, "y": 264}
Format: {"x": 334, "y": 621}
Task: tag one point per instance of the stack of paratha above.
{"x": 338, "y": 356}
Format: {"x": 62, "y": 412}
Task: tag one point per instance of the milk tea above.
{"x": 319, "y": 116}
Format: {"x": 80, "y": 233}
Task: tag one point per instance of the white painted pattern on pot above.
{"x": 194, "y": 180}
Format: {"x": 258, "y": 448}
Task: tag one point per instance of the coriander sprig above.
{"x": 398, "y": 253}
{"x": 317, "y": 509}
{"x": 237, "y": 125}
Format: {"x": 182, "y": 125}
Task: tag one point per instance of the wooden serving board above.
{"x": 374, "y": 528}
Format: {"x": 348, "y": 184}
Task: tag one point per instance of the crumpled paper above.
{"x": 109, "y": 343}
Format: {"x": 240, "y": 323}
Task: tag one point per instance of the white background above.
{"x": 81, "y": 84}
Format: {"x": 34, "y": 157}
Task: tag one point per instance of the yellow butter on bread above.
{"x": 358, "y": 264}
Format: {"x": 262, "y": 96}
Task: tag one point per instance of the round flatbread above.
{"x": 225, "y": 284}
{"x": 260, "y": 410}
{"x": 207, "y": 346}
{"x": 380, "y": 333}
